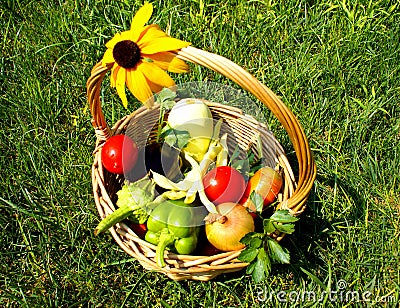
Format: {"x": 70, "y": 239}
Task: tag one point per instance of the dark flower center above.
{"x": 126, "y": 53}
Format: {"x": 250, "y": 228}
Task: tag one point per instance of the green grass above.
{"x": 335, "y": 64}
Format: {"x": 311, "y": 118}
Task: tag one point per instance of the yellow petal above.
{"x": 111, "y": 43}
{"x": 139, "y": 33}
{"x": 142, "y": 16}
{"x": 155, "y": 88}
{"x": 118, "y": 37}
{"x": 108, "y": 57}
{"x": 150, "y": 33}
{"x": 156, "y": 75}
{"x": 139, "y": 87}
{"x": 126, "y": 35}
{"x": 113, "y": 77}
{"x": 120, "y": 85}
{"x": 151, "y": 46}
{"x": 169, "y": 62}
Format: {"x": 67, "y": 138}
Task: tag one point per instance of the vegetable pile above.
{"x": 206, "y": 200}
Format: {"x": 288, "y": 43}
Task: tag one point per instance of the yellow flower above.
{"x": 140, "y": 57}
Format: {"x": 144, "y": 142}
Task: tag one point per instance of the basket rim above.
{"x": 306, "y": 164}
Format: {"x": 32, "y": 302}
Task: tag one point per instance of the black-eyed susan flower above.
{"x": 140, "y": 57}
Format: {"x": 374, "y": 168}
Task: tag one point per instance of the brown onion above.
{"x": 225, "y": 229}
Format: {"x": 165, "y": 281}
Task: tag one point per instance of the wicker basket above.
{"x": 244, "y": 129}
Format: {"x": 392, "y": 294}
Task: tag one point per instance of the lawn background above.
{"x": 335, "y": 64}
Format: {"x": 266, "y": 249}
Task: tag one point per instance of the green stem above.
{"x": 160, "y": 124}
{"x": 114, "y": 218}
{"x": 166, "y": 239}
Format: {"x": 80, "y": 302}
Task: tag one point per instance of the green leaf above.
{"x": 247, "y": 166}
{"x": 255, "y": 166}
{"x": 175, "y": 138}
{"x": 249, "y": 237}
{"x": 250, "y": 156}
{"x": 283, "y": 216}
{"x": 248, "y": 254}
{"x": 259, "y": 271}
{"x": 262, "y": 266}
{"x": 285, "y": 228}
{"x": 269, "y": 226}
{"x": 167, "y": 105}
{"x": 276, "y": 252}
{"x": 241, "y": 165}
{"x": 235, "y": 154}
{"x": 166, "y": 98}
{"x": 250, "y": 268}
{"x": 256, "y": 241}
{"x": 258, "y": 201}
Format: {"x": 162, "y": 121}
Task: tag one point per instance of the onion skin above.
{"x": 267, "y": 183}
{"x": 225, "y": 229}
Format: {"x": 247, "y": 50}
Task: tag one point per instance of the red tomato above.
{"x": 224, "y": 184}
{"x": 119, "y": 154}
{"x": 139, "y": 229}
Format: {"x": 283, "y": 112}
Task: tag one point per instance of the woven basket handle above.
{"x": 223, "y": 66}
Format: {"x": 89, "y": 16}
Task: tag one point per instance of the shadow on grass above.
{"x": 313, "y": 233}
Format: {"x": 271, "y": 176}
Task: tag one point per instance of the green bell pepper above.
{"x": 175, "y": 225}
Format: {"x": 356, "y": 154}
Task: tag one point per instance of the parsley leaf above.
{"x": 285, "y": 228}
{"x": 262, "y": 250}
{"x": 235, "y": 155}
{"x": 269, "y": 226}
{"x": 283, "y": 216}
{"x": 262, "y": 266}
{"x": 276, "y": 252}
{"x": 248, "y": 238}
{"x": 257, "y": 200}
{"x": 248, "y": 255}
{"x": 166, "y": 98}
{"x": 246, "y": 166}
{"x": 175, "y": 138}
